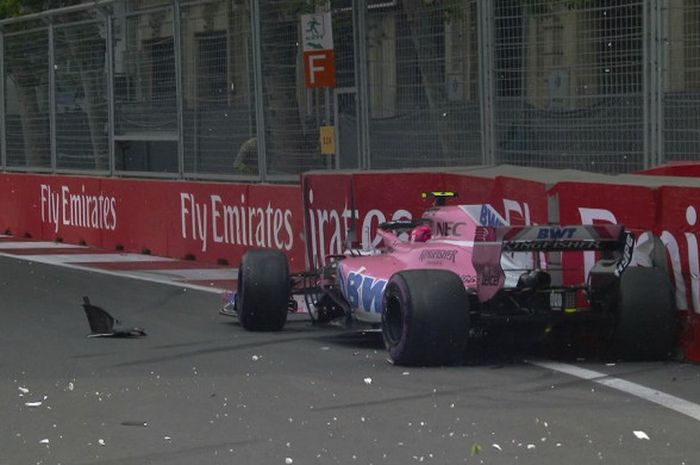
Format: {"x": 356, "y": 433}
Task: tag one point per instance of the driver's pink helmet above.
{"x": 420, "y": 233}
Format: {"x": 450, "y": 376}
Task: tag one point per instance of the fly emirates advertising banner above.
{"x": 212, "y": 222}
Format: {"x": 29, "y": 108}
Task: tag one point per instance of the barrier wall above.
{"x": 217, "y": 222}
{"x": 686, "y": 169}
{"x": 211, "y": 222}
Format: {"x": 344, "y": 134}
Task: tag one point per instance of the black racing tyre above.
{"x": 646, "y": 315}
{"x": 263, "y": 290}
{"x": 426, "y": 318}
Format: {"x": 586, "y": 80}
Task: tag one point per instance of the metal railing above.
{"x": 214, "y": 89}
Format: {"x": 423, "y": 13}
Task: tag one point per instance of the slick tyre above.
{"x": 646, "y": 316}
{"x": 426, "y": 318}
{"x": 263, "y": 290}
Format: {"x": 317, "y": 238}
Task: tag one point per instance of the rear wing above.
{"x": 491, "y": 241}
{"x": 548, "y": 238}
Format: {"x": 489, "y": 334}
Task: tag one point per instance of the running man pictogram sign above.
{"x": 319, "y": 56}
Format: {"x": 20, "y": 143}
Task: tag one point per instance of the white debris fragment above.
{"x": 406, "y": 373}
{"x": 255, "y": 358}
{"x": 71, "y": 386}
{"x": 530, "y": 446}
{"x": 33, "y": 404}
{"x": 368, "y": 380}
{"x": 101, "y": 442}
{"x": 325, "y": 348}
{"x": 167, "y": 438}
{"x": 44, "y": 441}
{"x": 641, "y": 435}
{"x": 497, "y": 447}
{"x": 288, "y": 461}
{"x": 23, "y": 390}
{"x": 610, "y": 364}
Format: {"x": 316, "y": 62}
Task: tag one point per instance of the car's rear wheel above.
{"x": 426, "y": 317}
{"x": 646, "y": 316}
{"x": 263, "y": 290}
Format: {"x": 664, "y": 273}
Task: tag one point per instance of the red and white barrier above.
{"x": 211, "y": 222}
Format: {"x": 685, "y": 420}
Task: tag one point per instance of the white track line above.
{"x": 60, "y": 259}
{"x": 652, "y": 395}
{"x": 184, "y": 274}
{"x": 121, "y": 274}
{"x": 38, "y": 245}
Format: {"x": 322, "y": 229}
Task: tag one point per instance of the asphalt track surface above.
{"x": 200, "y": 390}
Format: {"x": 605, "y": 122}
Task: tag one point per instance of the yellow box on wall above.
{"x": 327, "y": 140}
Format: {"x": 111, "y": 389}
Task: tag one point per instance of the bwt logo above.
{"x": 363, "y": 292}
{"x": 489, "y": 217}
{"x": 556, "y": 233}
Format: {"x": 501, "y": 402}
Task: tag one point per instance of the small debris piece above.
{"x": 475, "y": 449}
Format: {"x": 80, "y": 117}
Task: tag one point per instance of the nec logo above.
{"x": 556, "y": 233}
{"x": 448, "y": 228}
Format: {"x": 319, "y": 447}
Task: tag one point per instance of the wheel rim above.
{"x": 393, "y": 320}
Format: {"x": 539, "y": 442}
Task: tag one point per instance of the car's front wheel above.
{"x": 426, "y": 317}
{"x": 262, "y": 301}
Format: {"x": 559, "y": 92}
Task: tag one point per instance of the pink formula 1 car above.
{"x": 463, "y": 273}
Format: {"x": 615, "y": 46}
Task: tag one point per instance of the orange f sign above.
{"x": 319, "y": 68}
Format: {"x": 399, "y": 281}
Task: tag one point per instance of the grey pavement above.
{"x": 200, "y": 390}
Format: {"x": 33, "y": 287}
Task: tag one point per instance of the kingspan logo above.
{"x": 438, "y": 254}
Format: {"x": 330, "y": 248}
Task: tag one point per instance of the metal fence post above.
{"x": 3, "y": 139}
{"x": 359, "y": 8}
{"x": 259, "y": 101}
{"x": 486, "y": 87}
{"x": 52, "y": 97}
{"x": 177, "y": 50}
{"x": 110, "y": 91}
{"x": 652, "y": 77}
{"x": 661, "y": 41}
{"x": 647, "y": 107}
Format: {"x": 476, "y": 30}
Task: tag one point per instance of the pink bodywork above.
{"x": 362, "y": 279}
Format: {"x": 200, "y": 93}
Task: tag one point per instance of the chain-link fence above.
{"x": 569, "y": 84}
{"x": 80, "y": 95}
{"x": 218, "y": 88}
{"x": 27, "y": 141}
{"x": 681, "y": 73}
